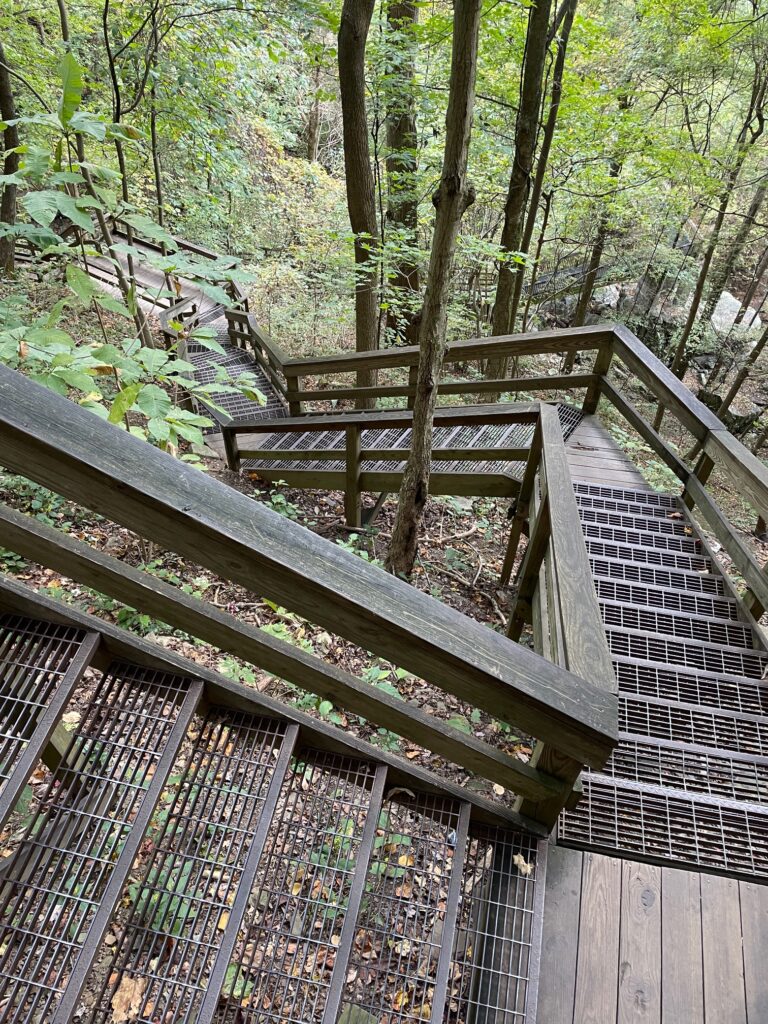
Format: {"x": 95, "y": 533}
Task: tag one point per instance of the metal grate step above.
{"x": 623, "y": 494}
{"x": 642, "y": 539}
{"x": 668, "y": 651}
{"x": 495, "y": 962}
{"x": 41, "y": 663}
{"x": 291, "y": 939}
{"x": 403, "y": 946}
{"x": 91, "y": 812}
{"x": 697, "y": 688}
{"x": 671, "y": 525}
{"x": 668, "y": 826}
{"x": 636, "y": 509}
{"x": 629, "y": 572}
{"x": 652, "y": 620}
{"x": 643, "y": 556}
{"x": 668, "y": 600}
{"x": 693, "y": 771}
{"x": 208, "y": 825}
{"x": 705, "y": 727}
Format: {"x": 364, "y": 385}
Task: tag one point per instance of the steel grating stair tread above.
{"x": 188, "y": 862}
{"x": 688, "y": 783}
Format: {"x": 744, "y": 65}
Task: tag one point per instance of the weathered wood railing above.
{"x": 355, "y": 478}
{"x": 322, "y": 369}
{"x": 554, "y": 590}
{"x": 65, "y": 448}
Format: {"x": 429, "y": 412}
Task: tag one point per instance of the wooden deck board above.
{"x": 562, "y": 907}
{"x": 652, "y": 946}
{"x": 682, "y": 994}
{"x": 595, "y": 457}
{"x": 598, "y": 941}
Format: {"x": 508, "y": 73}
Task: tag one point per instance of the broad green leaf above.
{"x": 153, "y": 402}
{"x": 71, "y": 208}
{"x": 111, "y": 304}
{"x": 149, "y": 229}
{"x": 51, "y": 338}
{"x": 71, "y": 75}
{"x": 75, "y": 378}
{"x": 123, "y": 403}
{"x": 160, "y": 429}
{"x": 42, "y": 206}
{"x": 88, "y": 124}
{"x": 80, "y": 283}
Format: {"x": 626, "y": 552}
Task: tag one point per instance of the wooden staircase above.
{"x": 190, "y": 860}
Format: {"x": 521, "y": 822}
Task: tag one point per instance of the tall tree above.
{"x": 10, "y": 163}
{"x": 454, "y": 194}
{"x": 526, "y": 126}
{"x": 361, "y": 196}
{"x": 556, "y": 90}
{"x": 402, "y": 161}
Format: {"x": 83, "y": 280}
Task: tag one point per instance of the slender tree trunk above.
{"x": 726, "y": 266}
{"x": 548, "y": 197}
{"x": 522, "y": 163}
{"x": 361, "y": 197}
{"x": 402, "y": 164}
{"x": 453, "y": 196}
{"x": 10, "y": 165}
{"x": 754, "y": 284}
{"x": 313, "y": 121}
{"x": 543, "y": 159}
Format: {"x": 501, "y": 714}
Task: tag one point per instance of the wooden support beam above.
{"x": 352, "y": 497}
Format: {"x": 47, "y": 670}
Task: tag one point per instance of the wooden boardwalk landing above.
{"x": 595, "y": 458}
{"x": 627, "y": 942}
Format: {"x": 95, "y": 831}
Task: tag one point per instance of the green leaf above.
{"x": 75, "y": 379}
{"x": 460, "y": 722}
{"x": 154, "y": 402}
{"x": 123, "y": 403}
{"x": 71, "y": 207}
{"x": 88, "y": 124}
{"x": 111, "y": 304}
{"x": 42, "y": 206}
{"x": 71, "y": 75}
{"x": 325, "y": 708}
{"x": 80, "y": 283}
{"x": 148, "y": 229}
{"x": 160, "y": 429}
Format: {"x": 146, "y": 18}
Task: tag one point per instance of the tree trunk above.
{"x": 313, "y": 121}
{"x": 548, "y": 197}
{"x": 522, "y": 164}
{"x": 453, "y": 196}
{"x": 10, "y": 165}
{"x": 361, "y": 198}
{"x": 546, "y": 144}
{"x": 754, "y": 284}
{"x": 402, "y": 163}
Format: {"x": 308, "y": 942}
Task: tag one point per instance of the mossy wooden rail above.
{"x": 147, "y": 491}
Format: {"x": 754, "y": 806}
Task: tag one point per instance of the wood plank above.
{"x": 385, "y": 419}
{"x": 682, "y": 980}
{"x": 566, "y": 382}
{"x": 597, "y": 970}
{"x": 562, "y": 907}
{"x": 724, "y": 996}
{"x": 674, "y": 395}
{"x": 640, "y": 944}
{"x": 754, "y": 923}
{"x": 577, "y": 339}
{"x": 745, "y": 471}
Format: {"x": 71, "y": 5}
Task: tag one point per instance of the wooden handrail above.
{"x": 151, "y": 596}
{"x": 555, "y": 573}
{"x": 64, "y": 447}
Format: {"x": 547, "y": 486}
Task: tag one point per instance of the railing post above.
{"x": 413, "y": 378}
{"x": 600, "y": 368}
{"x": 522, "y": 509}
{"x": 352, "y": 502}
{"x": 702, "y": 472}
{"x": 230, "y": 447}
{"x": 527, "y": 577}
{"x": 294, "y": 384}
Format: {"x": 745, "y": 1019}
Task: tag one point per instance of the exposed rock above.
{"x": 726, "y": 311}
